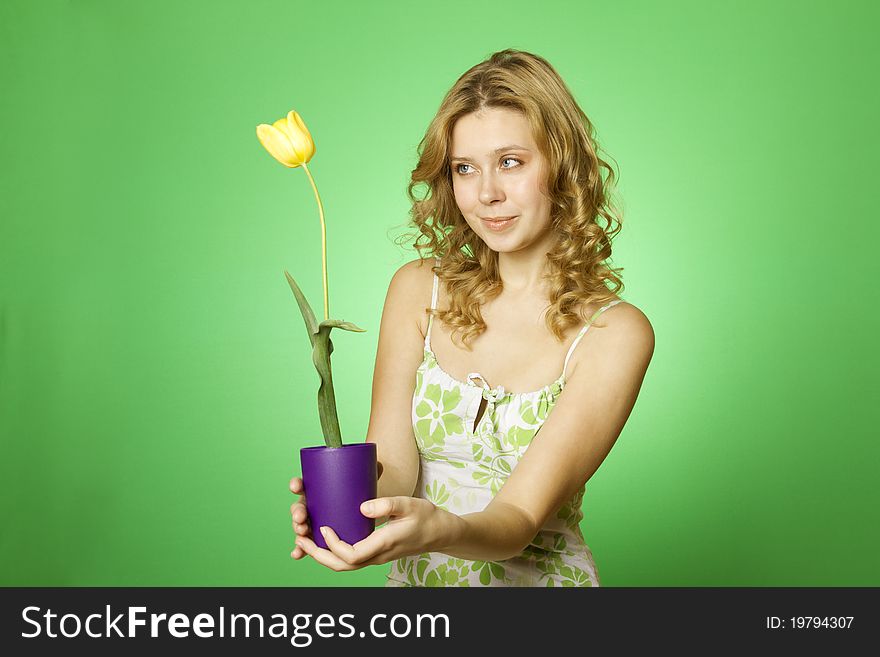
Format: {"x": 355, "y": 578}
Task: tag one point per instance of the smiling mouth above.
{"x": 498, "y": 225}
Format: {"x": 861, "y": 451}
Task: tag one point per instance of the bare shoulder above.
{"x": 628, "y": 325}
{"x": 621, "y": 335}
{"x": 413, "y": 283}
{"x": 418, "y": 267}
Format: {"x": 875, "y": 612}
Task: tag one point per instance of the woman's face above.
{"x": 497, "y": 171}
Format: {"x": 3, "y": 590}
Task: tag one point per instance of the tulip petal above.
{"x": 300, "y": 138}
{"x": 279, "y": 146}
{"x": 302, "y": 126}
{"x": 282, "y": 125}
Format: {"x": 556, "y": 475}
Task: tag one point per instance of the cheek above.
{"x": 463, "y": 193}
{"x": 527, "y": 190}
{"x": 466, "y": 201}
{"x": 470, "y": 222}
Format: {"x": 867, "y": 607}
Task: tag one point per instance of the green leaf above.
{"x": 321, "y": 348}
{"x": 338, "y": 323}
{"x": 304, "y": 307}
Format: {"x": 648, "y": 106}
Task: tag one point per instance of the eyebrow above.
{"x": 497, "y": 151}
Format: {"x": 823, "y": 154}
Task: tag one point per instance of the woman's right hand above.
{"x": 300, "y": 515}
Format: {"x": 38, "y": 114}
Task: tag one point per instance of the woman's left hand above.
{"x": 414, "y": 526}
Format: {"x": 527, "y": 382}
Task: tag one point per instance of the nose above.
{"x": 490, "y": 189}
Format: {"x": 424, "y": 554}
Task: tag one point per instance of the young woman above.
{"x": 485, "y": 448}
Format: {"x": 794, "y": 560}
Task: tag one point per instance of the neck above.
{"x": 522, "y": 272}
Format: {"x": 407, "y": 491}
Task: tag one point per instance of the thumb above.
{"x": 382, "y": 506}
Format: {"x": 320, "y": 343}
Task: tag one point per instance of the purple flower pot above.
{"x": 336, "y": 481}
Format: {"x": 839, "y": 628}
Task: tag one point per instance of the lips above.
{"x": 500, "y": 223}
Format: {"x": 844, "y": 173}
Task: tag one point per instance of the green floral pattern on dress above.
{"x": 437, "y": 418}
{"x": 462, "y": 469}
{"x": 464, "y": 466}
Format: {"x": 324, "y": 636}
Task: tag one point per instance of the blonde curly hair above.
{"x": 576, "y": 270}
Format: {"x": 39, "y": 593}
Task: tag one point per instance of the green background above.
{"x": 155, "y": 374}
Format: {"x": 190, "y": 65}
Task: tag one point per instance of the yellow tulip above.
{"x": 287, "y": 140}
{"x": 290, "y": 142}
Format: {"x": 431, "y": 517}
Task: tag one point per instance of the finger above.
{"x": 300, "y": 520}
{"x": 322, "y": 556}
{"x": 299, "y": 513}
{"x": 298, "y": 553}
{"x": 378, "y": 547}
{"x": 385, "y": 506}
{"x": 343, "y": 550}
{"x": 374, "y": 550}
{"x": 296, "y": 485}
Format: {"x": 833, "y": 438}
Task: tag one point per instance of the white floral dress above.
{"x": 462, "y": 468}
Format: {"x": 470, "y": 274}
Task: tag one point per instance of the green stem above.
{"x": 323, "y": 242}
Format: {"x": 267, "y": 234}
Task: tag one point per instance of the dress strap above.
{"x": 584, "y": 330}
{"x": 433, "y": 307}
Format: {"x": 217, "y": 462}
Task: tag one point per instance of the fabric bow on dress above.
{"x": 491, "y": 395}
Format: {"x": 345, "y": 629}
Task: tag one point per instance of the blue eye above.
{"x": 462, "y": 164}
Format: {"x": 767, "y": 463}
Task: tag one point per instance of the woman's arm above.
{"x": 398, "y": 355}
{"x": 572, "y": 443}
{"x": 597, "y": 400}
